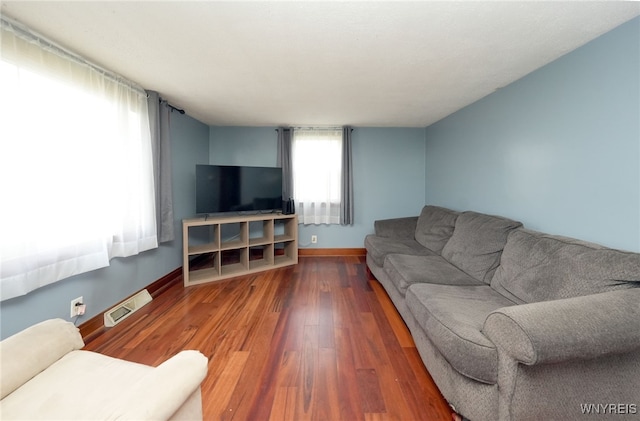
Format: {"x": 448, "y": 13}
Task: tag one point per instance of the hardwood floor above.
{"x": 316, "y": 341}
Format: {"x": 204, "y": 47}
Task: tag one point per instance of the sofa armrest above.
{"x": 161, "y": 392}
{"x": 29, "y": 352}
{"x": 574, "y": 328}
{"x": 396, "y": 227}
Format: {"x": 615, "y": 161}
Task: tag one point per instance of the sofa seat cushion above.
{"x": 435, "y": 226}
{"x": 405, "y": 270}
{"x": 477, "y": 243}
{"x": 379, "y": 247}
{"x": 81, "y": 385}
{"x": 539, "y": 267}
{"x": 452, "y": 317}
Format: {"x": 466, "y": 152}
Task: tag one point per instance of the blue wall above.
{"x": 558, "y": 150}
{"x": 388, "y": 167}
{"x": 103, "y": 288}
{"x": 252, "y": 146}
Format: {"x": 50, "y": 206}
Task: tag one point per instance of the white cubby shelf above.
{"x": 221, "y": 247}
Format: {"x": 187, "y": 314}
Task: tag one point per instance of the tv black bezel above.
{"x": 276, "y": 200}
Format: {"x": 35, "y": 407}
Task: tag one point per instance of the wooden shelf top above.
{"x": 236, "y": 218}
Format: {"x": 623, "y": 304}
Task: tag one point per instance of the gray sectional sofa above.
{"x": 514, "y": 324}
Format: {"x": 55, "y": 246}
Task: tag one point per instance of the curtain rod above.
{"x": 26, "y": 33}
{"x": 315, "y": 128}
{"x": 318, "y": 127}
{"x": 181, "y": 111}
{"x": 23, "y": 31}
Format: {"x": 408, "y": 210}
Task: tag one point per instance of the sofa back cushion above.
{"x": 435, "y": 227}
{"x": 538, "y": 267}
{"x": 477, "y": 242}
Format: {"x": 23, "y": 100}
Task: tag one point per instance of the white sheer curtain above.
{"x": 316, "y": 156}
{"x": 76, "y": 175}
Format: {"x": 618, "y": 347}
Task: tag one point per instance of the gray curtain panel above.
{"x": 346, "y": 202}
{"x": 284, "y": 161}
{"x": 159, "y": 123}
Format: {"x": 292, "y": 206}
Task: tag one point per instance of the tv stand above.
{"x": 236, "y": 245}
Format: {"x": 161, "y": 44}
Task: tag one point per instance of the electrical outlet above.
{"x": 314, "y": 239}
{"x": 76, "y": 310}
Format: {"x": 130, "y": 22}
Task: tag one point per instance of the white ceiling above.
{"x": 364, "y": 63}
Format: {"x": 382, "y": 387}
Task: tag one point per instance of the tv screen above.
{"x": 227, "y": 188}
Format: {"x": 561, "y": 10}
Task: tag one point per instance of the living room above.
{"x": 558, "y": 149}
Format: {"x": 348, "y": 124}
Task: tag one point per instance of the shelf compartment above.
{"x": 209, "y": 263}
{"x": 287, "y": 250}
{"x": 284, "y": 260}
{"x": 233, "y": 244}
{"x": 203, "y": 248}
{"x": 253, "y": 242}
{"x": 256, "y": 265}
{"x": 260, "y": 232}
{"x": 261, "y": 256}
{"x": 283, "y": 238}
{"x": 199, "y": 276}
{"x": 237, "y": 234}
{"x": 202, "y": 238}
{"x": 232, "y": 256}
{"x": 233, "y": 269}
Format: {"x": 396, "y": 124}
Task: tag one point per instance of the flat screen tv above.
{"x": 228, "y": 188}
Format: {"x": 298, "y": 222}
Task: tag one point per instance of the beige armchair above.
{"x": 45, "y": 376}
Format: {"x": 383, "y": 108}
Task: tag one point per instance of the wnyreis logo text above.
{"x": 609, "y": 408}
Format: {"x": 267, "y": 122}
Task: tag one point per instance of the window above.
{"x": 76, "y": 175}
{"x": 316, "y": 156}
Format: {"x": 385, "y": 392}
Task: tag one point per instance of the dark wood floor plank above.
{"x": 370, "y": 392}
{"x": 393, "y": 318}
{"x": 395, "y": 402}
{"x": 284, "y": 404}
{"x": 351, "y": 407}
{"x": 288, "y": 371}
{"x": 362, "y": 351}
{"x": 404, "y": 371}
{"x": 315, "y": 341}
{"x": 224, "y": 385}
{"x": 326, "y": 327}
{"x": 309, "y": 372}
{"x": 254, "y": 394}
{"x": 327, "y": 400}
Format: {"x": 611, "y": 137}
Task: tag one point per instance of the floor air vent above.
{"x": 126, "y": 308}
